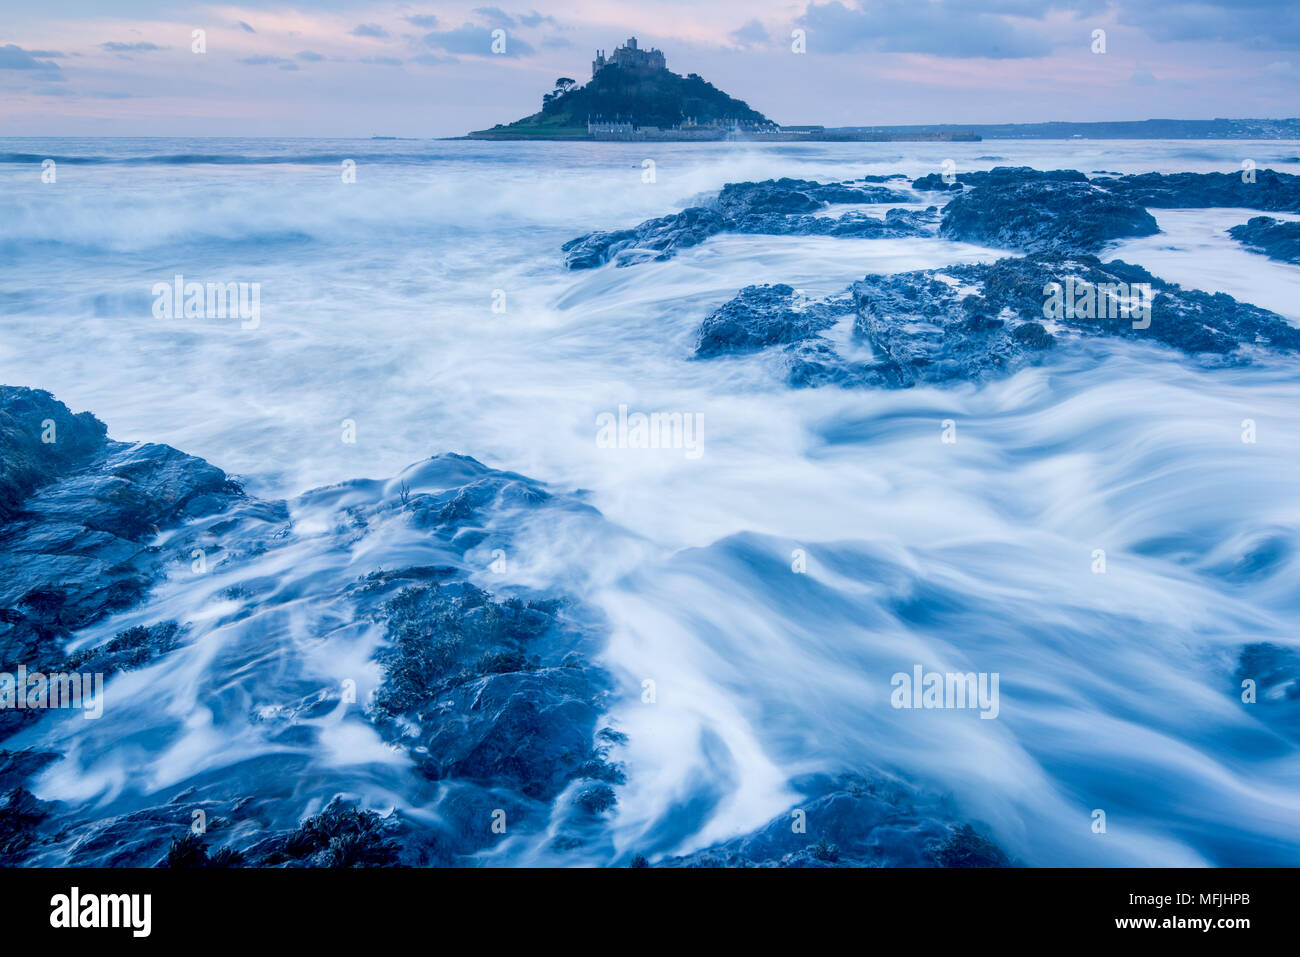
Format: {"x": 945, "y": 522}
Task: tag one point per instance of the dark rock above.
{"x": 663, "y": 236}
{"x": 1271, "y": 191}
{"x": 972, "y": 323}
{"x": 80, "y": 515}
{"x": 785, "y": 196}
{"x": 26, "y": 462}
{"x": 852, "y": 822}
{"x": 126, "y": 650}
{"x": 341, "y": 836}
{"x": 896, "y": 224}
{"x": 1063, "y": 217}
{"x": 776, "y": 207}
{"x": 1272, "y": 237}
{"x": 998, "y": 176}
{"x": 464, "y": 670}
{"x": 761, "y": 316}
{"x": 924, "y": 330}
{"x": 966, "y": 847}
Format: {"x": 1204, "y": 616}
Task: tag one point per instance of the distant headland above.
{"x": 632, "y": 95}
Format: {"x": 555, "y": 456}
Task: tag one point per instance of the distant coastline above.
{"x": 1153, "y": 129}
{"x": 783, "y": 135}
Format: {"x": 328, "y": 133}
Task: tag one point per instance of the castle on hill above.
{"x": 629, "y": 57}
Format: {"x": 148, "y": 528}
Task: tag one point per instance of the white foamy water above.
{"x": 1117, "y": 690}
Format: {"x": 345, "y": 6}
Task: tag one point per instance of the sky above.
{"x": 344, "y": 68}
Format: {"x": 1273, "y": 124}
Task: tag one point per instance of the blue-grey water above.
{"x": 1118, "y": 690}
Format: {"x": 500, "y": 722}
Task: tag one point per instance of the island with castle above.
{"x": 632, "y": 95}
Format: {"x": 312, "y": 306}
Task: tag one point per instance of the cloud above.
{"x": 1255, "y": 24}
{"x": 381, "y": 60}
{"x": 557, "y": 43}
{"x": 369, "y": 30}
{"x": 246, "y": 26}
{"x": 309, "y": 56}
{"x": 751, "y": 34}
{"x": 536, "y": 19}
{"x": 472, "y": 39}
{"x": 16, "y": 58}
{"x": 425, "y": 21}
{"x": 949, "y": 28}
{"x": 131, "y": 47}
{"x": 495, "y": 16}
{"x": 263, "y": 60}
{"x": 433, "y": 59}
{"x": 1142, "y": 78}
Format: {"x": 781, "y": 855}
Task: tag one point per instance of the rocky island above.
{"x": 632, "y": 95}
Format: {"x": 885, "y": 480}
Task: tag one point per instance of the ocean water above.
{"x": 428, "y": 304}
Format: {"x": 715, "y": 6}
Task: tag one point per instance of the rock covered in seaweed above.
{"x": 1274, "y": 238}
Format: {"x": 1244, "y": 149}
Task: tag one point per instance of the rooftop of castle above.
{"x": 630, "y": 57}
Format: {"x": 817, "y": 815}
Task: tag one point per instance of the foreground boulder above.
{"x": 491, "y": 696}
{"x": 782, "y": 207}
{"x": 1272, "y": 237}
{"x": 82, "y": 518}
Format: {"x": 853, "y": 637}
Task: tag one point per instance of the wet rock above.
{"x": 1272, "y": 237}
{"x": 998, "y": 176}
{"x": 339, "y": 836}
{"x": 21, "y": 813}
{"x": 966, "y": 847}
{"x": 474, "y": 690}
{"x": 653, "y": 239}
{"x": 854, "y": 822}
{"x": 132, "y": 648}
{"x": 738, "y": 201}
{"x": 1270, "y": 190}
{"x": 777, "y": 207}
{"x": 761, "y": 316}
{"x": 1043, "y": 215}
{"x": 492, "y": 697}
{"x": 896, "y": 224}
{"x": 972, "y": 323}
{"x": 81, "y": 516}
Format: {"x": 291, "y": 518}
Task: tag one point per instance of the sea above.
{"x": 415, "y": 292}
